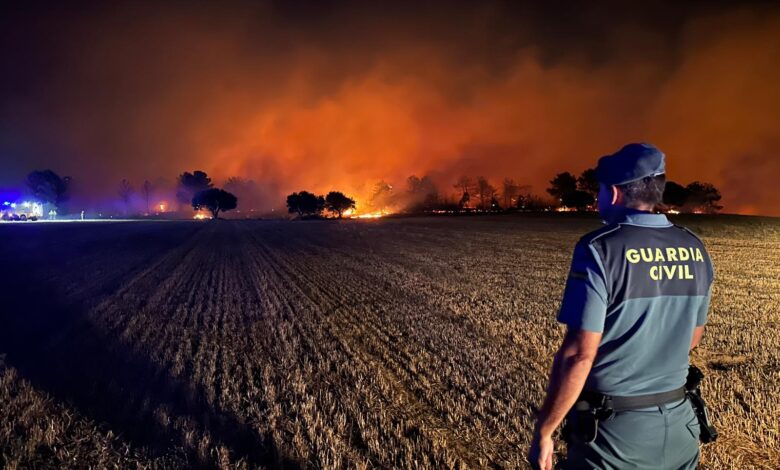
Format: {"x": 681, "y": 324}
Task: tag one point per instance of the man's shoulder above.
{"x": 689, "y": 232}
{"x": 599, "y": 233}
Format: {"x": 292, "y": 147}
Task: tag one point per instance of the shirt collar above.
{"x": 631, "y": 216}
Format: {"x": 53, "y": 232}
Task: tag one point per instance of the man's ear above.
{"x": 617, "y": 195}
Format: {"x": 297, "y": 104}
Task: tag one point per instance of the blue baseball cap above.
{"x": 631, "y": 163}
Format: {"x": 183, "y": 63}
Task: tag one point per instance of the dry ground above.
{"x": 407, "y": 343}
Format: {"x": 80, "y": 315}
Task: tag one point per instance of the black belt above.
{"x": 635, "y": 402}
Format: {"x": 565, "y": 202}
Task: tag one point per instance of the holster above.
{"x": 708, "y": 432}
{"x": 582, "y": 423}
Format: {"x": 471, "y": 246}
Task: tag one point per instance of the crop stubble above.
{"x": 408, "y": 343}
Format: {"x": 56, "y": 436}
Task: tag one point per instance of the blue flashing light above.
{"x": 6, "y": 203}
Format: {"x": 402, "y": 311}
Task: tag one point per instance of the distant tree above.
{"x": 563, "y": 184}
{"x": 510, "y": 191}
{"x": 465, "y": 184}
{"x": 703, "y": 197}
{"x": 382, "y": 196}
{"x": 494, "y": 204}
{"x": 47, "y": 187}
{"x": 246, "y": 190}
{"x": 126, "y": 192}
{"x": 531, "y": 202}
{"x": 484, "y": 191}
{"x": 147, "y": 188}
{"x": 191, "y": 183}
{"x": 422, "y": 194}
{"x": 215, "y": 200}
{"x": 675, "y": 195}
{"x": 337, "y": 203}
{"x": 466, "y": 187}
{"x": 464, "y": 200}
{"x": 588, "y": 182}
{"x": 305, "y": 203}
{"x": 578, "y": 199}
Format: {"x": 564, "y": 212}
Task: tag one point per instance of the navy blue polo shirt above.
{"x": 645, "y": 284}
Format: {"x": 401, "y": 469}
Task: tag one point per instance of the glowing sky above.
{"x": 323, "y": 95}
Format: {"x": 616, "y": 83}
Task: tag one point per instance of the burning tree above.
{"x": 382, "y": 196}
{"x": 215, "y": 200}
{"x": 337, "y": 203}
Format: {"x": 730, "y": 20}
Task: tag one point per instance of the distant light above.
{"x": 13, "y": 205}
{"x": 6, "y": 203}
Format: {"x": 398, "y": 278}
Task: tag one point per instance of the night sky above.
{"x": 339, "y": 95}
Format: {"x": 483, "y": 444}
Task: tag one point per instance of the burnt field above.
{"x": 407, "y": 343}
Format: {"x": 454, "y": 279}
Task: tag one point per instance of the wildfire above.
{"x": 200, "y": 216}
{"x": 372, "y": 215}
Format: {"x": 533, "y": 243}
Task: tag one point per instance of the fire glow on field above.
{"x": 200, "y": 216}
{"x": 371, "y": 215}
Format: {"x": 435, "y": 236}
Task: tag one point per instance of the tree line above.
{"x": 581, "y": 193}
{"x": 566, "y": 191}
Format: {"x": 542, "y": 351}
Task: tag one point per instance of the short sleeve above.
{"x": 584, "y": 304}
{"x": 701, "y": 314}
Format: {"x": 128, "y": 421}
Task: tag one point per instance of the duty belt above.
{"x": 616, "y": 403}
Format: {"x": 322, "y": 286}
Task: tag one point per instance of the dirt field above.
{"x": 406, "y": 343}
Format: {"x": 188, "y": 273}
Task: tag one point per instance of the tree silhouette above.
{"x": 147, "y": 188}
{"x": 422, "y": 193}
{"x": 382, "y": 196}
{"x": 338, "y": 203}
{"x": 588, "y": 182}
{"x": 510, "y": 191}
{"x": 578, "y": 199}
{"x": 215, "y": 200}
{"x": 305, "y": 203}
{"x": 675, "y": 195}
{"x": 47, "y": 187}
{"x": 563, "y": 184}
{"x": 125, "y": 192}
{"x": 466, "y": 186}
{"x": 484, "y": 192}
{"x": 190, "y": 184}
{"x": 245, "y": 189}
{"x": 703, "y": 197}
{"x": 464, "y": 200}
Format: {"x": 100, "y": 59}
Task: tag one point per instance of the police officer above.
{"x": 635, "y": 303}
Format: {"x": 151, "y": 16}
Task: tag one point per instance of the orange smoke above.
{"x": 364, "y": 101}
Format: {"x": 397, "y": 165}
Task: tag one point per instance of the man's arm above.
{"x": 697, "y": 334}
{"x": 570, "y": 369}
{"x": 583, "y": 310}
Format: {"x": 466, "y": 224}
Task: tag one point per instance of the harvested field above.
{"x": 392, "y": 343}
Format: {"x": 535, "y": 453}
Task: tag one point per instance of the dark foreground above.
{"x": 402, "y": 343}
